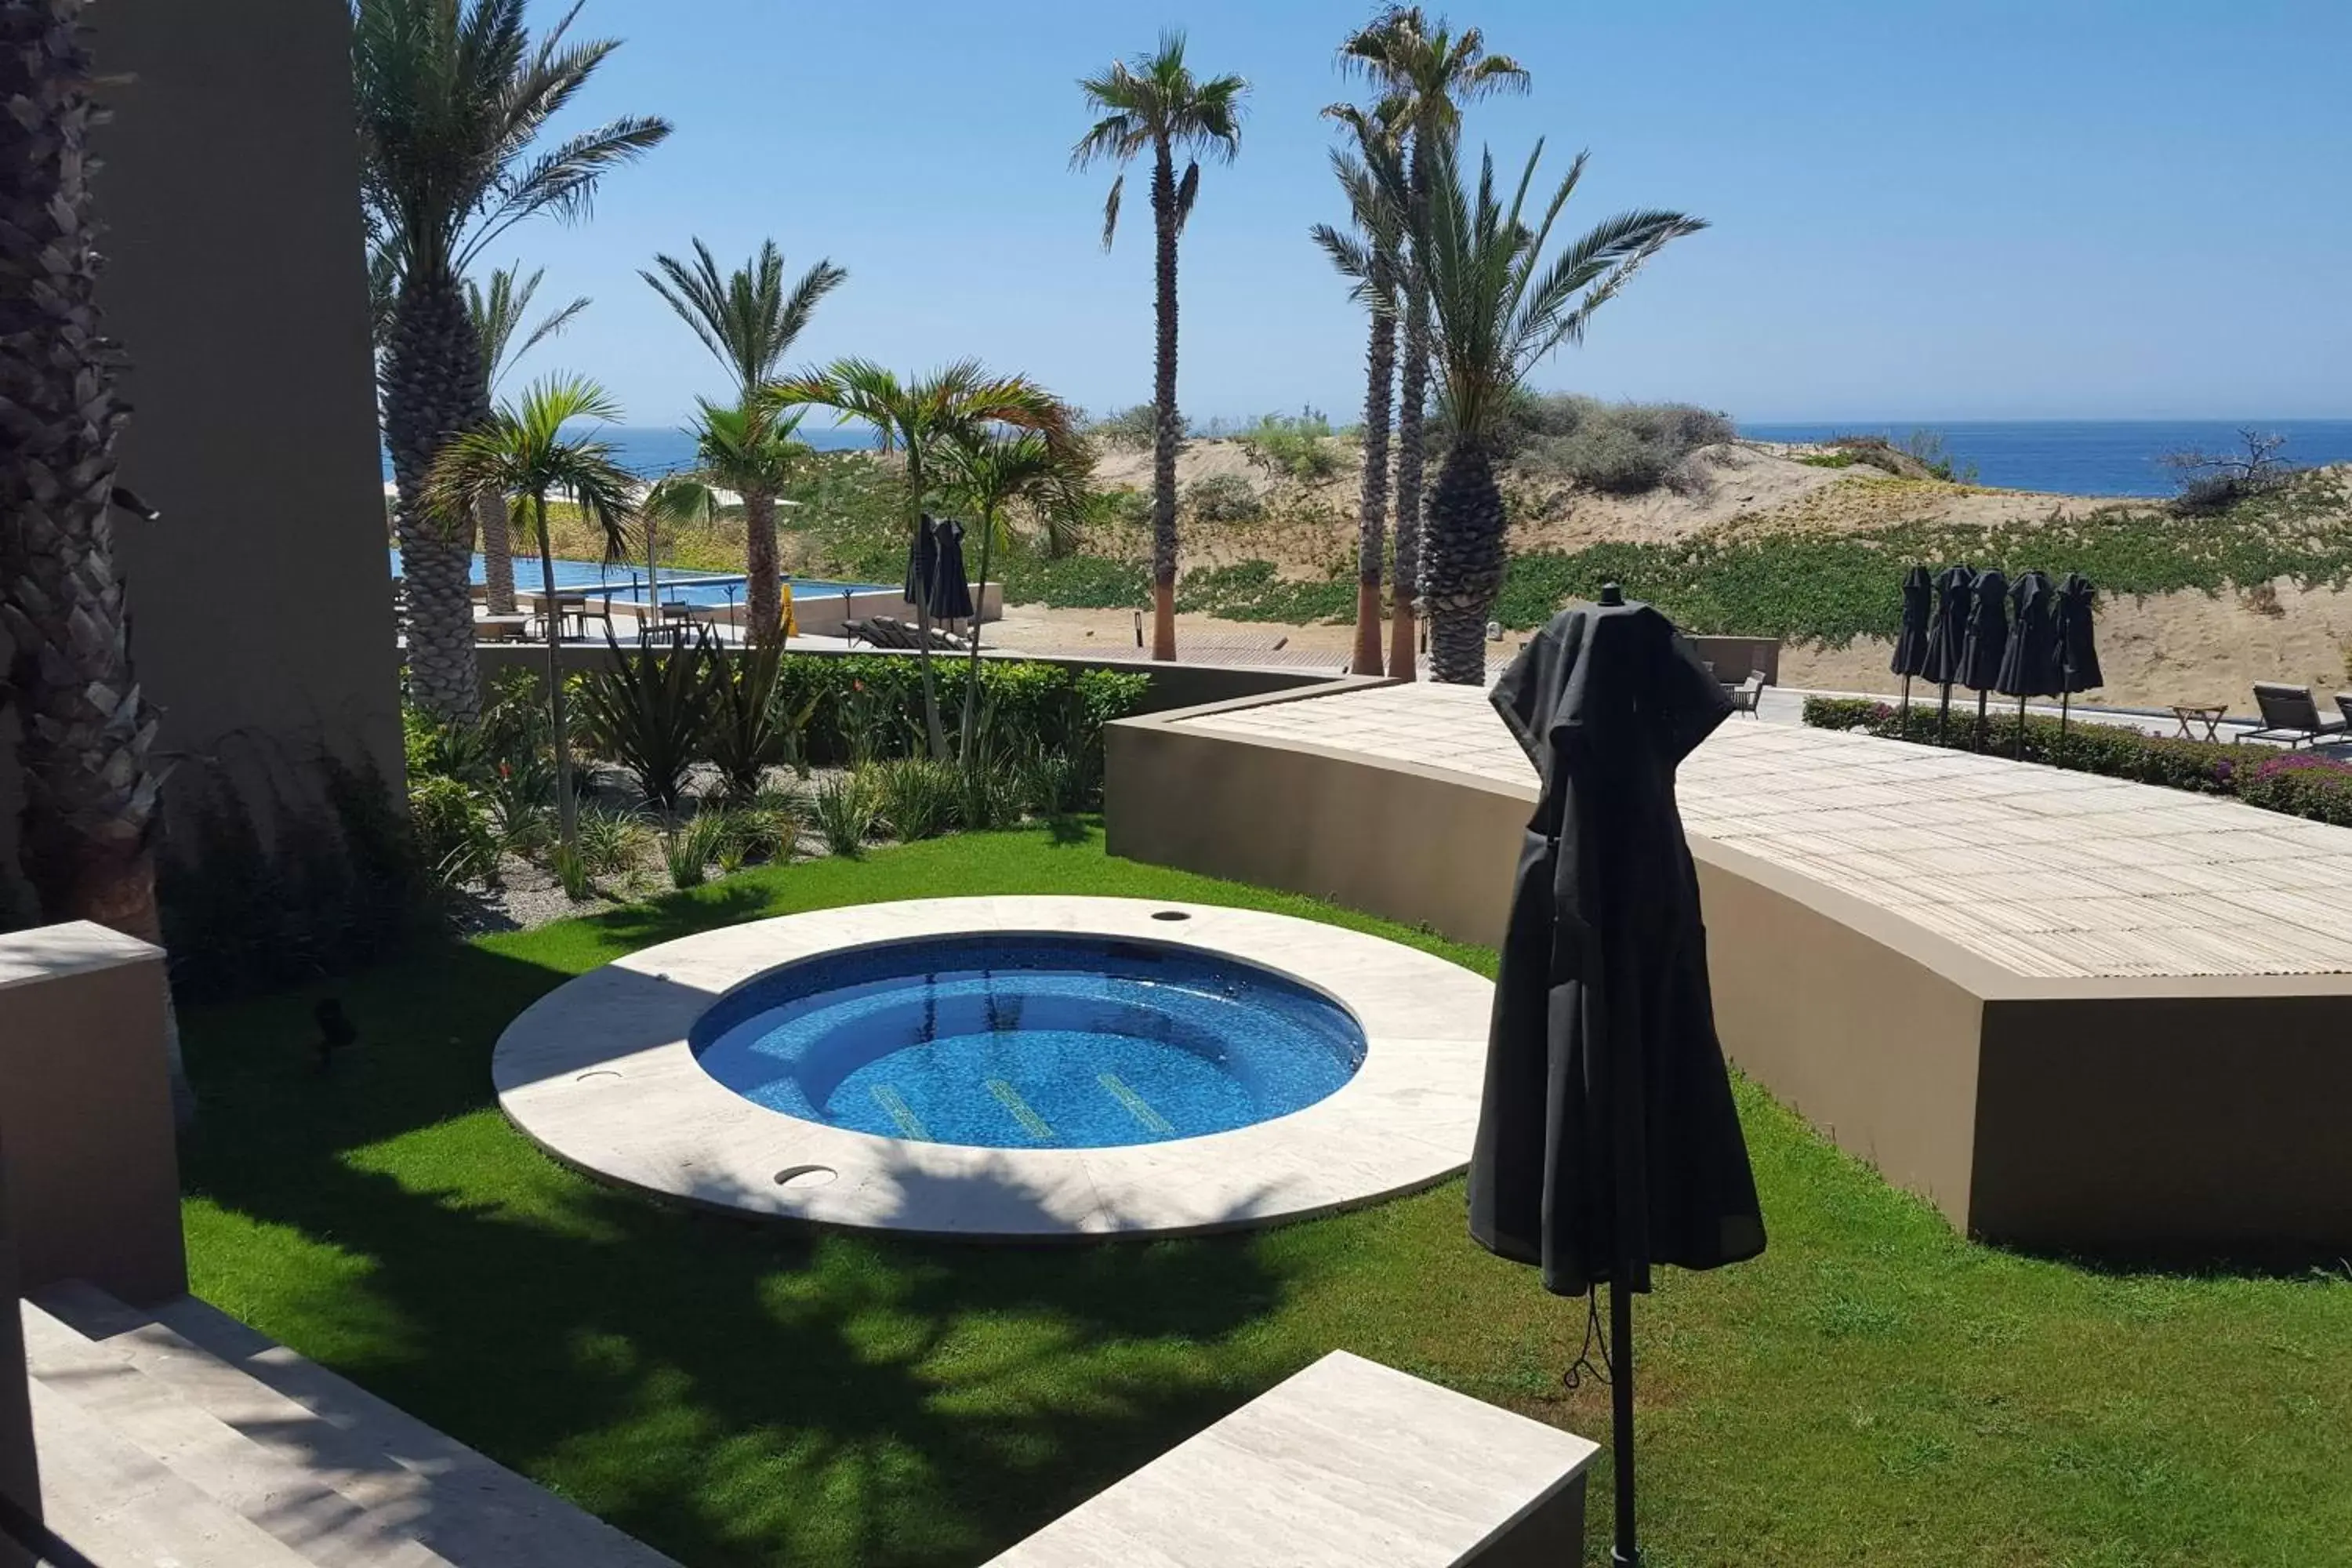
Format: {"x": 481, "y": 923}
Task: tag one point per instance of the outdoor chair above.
{"x": 1746, "y": 694}
{"x": 2344, "y": 705}
{"x": 2289, "y": 715}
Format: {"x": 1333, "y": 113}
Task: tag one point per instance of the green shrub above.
{"x": 844, "y": 810}
{"x": 1075, "y": 582}
{"x": 1137, "y": 427}
{"x": 455, "y": 842}
{"x": 1257, "y": 591}
{"x": 751, "y": 726}
{"x": 570, "y": 869}
{"x": 870, "y": 706}
{"x": 693, "y": 845}
{"x": 1224, "y": 498}
{"x": 915, "y": 797}
{"x": 1623, "y": 448}
{"x": 610, "y": 842}
{"x": 1302, "y": 448}
{"x": 2301, "y": 784}
{"x": 650, "y": 713}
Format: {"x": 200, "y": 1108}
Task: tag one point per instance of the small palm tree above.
{"x": 990, "y": 469}
{"x": 748, "y": 449}
{"x": 921, "y": 420}
{"x": 749, "y": 321}
{"x": 521, "y": 452}
{"x": 1366, "y": 176}
{"x": 1155, "y": 104}
{"x": 1425, "y": 75}
{"x": 497, "y": 315}
{"x": 1498, "y": 307}
{"x": 451, "y": 96}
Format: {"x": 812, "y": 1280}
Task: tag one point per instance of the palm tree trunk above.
{"x": 1164, "y": 409}
{"x": 498, "y": 554}
{"x": 1462, "y": 562}
{"x": 567, "y": 809}
{"x": 971, "y": 669}
{"x": 1412, "y": 397}
{"x": 763, "y": 596}
{"x": 432, "y": 374}
{"x": 1372, "y": 501}
{"x": 86, "y": 730}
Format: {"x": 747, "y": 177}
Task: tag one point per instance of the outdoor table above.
{"x": 2207, "y": 714}
{"x": 560, "y": 605}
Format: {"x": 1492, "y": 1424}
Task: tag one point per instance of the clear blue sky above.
{"x": 2070, "y": 209}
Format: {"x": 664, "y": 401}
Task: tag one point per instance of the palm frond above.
{"x": 1187, "y": 190}
{"x": 1110, "y": 210}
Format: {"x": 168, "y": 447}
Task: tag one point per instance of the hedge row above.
{"x": 2296, "y": 783}
{"x": 873, "y": 705}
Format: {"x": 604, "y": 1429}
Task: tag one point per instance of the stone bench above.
{"x": 1348, "y": 1463}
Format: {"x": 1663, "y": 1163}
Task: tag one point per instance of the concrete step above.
{"x": 124, "y": 1509}
{"x": 424, "y": 1499}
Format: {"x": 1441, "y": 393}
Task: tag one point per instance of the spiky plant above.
{"x": 85, "y": 728}
{"x": 1154, "y": 104}
{"x": 989, "y": 469}
{"x": 749, "y": 321}
{"x": 497, "y": 315}
{"x": 521, "y": 452}
{"x": 451, "y": 95}
{"x": 1425, "y": 75}
{"x": 1498, "y": 307}
{"x": 921, "y": 419}
{"x": 1366, "y": 176}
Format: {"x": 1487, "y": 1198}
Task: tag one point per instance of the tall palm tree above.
{"x": 1382, "y": 228}
{"x": 988, "y": 471}
{"x": 85, "y": 728}
{"x": 451, "y": 95}
{"x": 749, "y": 322}
{"x": 1498, "y": 307}
{"x": 497, "y": 315}
{"x": 1426, "y": 74}
{"x": 1155, "y": 104}
{"x": 921, "y": 419}
{"x": 747, "y": 447}
{"x": 522, "y": 453}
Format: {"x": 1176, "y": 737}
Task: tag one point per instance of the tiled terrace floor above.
{"x": 2045, "y": 873}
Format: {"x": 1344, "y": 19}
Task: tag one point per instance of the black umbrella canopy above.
{"x": 1987, "y": 637}
{"x": 2078, "y": 648}
{"x": 934, "y": 570}
{"x": 1607, "y": 1138}
{"x": 1911, "y": 643}
{"x": 1948, "y": 632}
{"x": 2029, "y": 665}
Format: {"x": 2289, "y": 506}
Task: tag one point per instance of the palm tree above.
{"x": 86, "y": 730}
{"x": 1382, "y": 228}
{"x": 521, "y": 452}
{"x": 1154, "y": 104}
{"x": 921, "y": 420}
{"x": 1427, "y": 75}
{"x": 748, "y": 448}
{"x": 990, "y": 469}
{"x": 450, "y": 96}
{"x": 497, "y": 313}
{"x": 1498, "y": 307}
{"x": 749, "y": 322}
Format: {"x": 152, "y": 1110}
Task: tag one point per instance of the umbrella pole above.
{"x": 1627, "y": 1552}
{"x": 2021, "y": 729}
{"x": 1944, "y": 717}
{"x": 1980, "y": 721}
{"x": 2064, "y": 699}
{"x": 1903, "y": 729}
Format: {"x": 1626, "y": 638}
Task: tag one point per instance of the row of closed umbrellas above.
{"x": 1978, "y": 629}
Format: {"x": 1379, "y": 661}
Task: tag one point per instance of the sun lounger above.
{"x": 2344, "y": 705}
{"x": 501, "y": 628}
{"x": 2289, "y": 715}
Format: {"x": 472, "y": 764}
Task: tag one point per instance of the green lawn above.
{"x": 1872, "y": 1391}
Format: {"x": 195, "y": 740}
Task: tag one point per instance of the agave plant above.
{"x": 1154, "y": 104}
{"x": 1498, "y": 307}
{"x": 754, "y": 724}
{"x": 1425, "y": 74}
{"x": 648, "y": 709}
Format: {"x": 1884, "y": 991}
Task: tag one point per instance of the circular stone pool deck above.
{"x": 599, "y": 1073}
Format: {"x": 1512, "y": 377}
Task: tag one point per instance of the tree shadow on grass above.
{"x": 733, "y": 1393}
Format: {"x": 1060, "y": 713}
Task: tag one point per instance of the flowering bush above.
{"x": 2303, "y": 786}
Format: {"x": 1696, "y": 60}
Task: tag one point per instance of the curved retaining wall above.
{"x": 2139, "y": 1116}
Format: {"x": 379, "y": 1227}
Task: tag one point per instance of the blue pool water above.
{"x": 1017, "y": 1042}
{"x": 627, "y": 583}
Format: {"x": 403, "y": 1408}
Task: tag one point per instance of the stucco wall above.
{"x": 19, "y": 1476}
{"x": 236, "y": 282}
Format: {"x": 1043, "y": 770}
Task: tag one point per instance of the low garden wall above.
{"x": 2095, "y": 1115}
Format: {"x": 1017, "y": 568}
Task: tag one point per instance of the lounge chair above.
{"x": 1746, "y": 694}
{"x": 2344, "y": 705}
{"x": 501, "y": 629}
{"x": 2289, "y": 715}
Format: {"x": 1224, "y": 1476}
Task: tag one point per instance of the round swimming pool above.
{"x": 1029, "y": 1041}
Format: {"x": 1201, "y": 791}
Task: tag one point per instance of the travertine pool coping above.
{"x": 599, "y": 1073}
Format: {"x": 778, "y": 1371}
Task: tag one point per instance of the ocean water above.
{"x": 655, "y": 449}
{"x": 2088, "y": 456}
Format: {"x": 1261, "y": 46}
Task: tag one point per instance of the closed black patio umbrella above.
{"x": 1947, "y": 636}
{"x": 1911, "y": 643}
{"x": 2078, "y": 647}
{"x": 2030, "y": 664}
{"x": 1988, "y": 639}
{"x": 1607, "y": 1140}
{"x": 936, "y": 583}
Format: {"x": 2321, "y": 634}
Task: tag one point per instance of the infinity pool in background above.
{"x": 1029, "y": 1042}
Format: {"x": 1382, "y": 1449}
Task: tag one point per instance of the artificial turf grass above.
{"x": 1874, "y": 1390}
